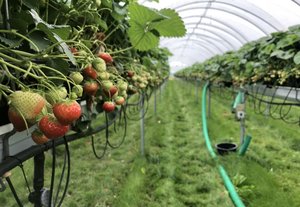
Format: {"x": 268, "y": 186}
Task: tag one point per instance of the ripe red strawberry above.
{"x": 90, "y": 88}
{"x": 27, "y": 103}
{"x": 130, "y": 73}
{"x": 16, "y": 119}
{"x": 90, "y": 72}
{"x": 51, "y": 128}
{"x": 106, "y": 57}
{"x": 74, "y": 50}
{"x": 119, "y": 100}
{"x": 99, "y": 65}
{"x": 38, "y": 137}
{"x": 108, "y": 106}
{"x": 100, "y": 36}
{"x": 111, "y": 91}
{"x": 67, "y": 112}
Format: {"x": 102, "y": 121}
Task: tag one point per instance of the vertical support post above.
{"x": 142, "y": 126}
{"x": 197, "y": 91}
{"x": 243, "y": 128}
{"x": 209, "y": 101}
{"x": 13, "y": 191}
{"x": 155, "y": 101}
{"x": 242, "y": 121}
{"x": 6, "y": 17}
{"x": 38, "y": 179}
{"x": 160, "y": 93}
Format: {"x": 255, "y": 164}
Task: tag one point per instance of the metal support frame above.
{"x": 203, "y": 40}
{"x": 236, "y": 34}
{"x": 217, "y": 35}
{"x": 142, "y": 125}
{"x": 263, "y": 17}
{"x": 38, "y": 180}
{"x": 155, "y": 101}
{"x": 178, "y": 44}
{"x": 214, "y": 30}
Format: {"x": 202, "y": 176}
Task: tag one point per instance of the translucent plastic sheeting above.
{"x": 223, "y": 25}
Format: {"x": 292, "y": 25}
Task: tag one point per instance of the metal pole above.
{"x": 6, "y": 17}
{"x": 242, "y": 131}
{"x": 155, "y": 101}
{"x": 243, "y": 128}
{"x": 209, "y": 102}
{"x": 142, "y": 127}
{"x": 160, "y": 92}
{"x": 197, "y": 91}
{"x": 38, "y": 180}
{"x": 13, "y": 191}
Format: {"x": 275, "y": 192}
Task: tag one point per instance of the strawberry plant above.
{"x": 272, "y": 60}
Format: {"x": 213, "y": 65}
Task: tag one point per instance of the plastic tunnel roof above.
{"x": 216, "y": 26}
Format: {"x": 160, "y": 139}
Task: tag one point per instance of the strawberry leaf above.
{"x": 147, "y": 25}
{"x": 10, "y": 41}
{"x": 139, "y": 32}
{"x": 297, "y": 58}
{"x": 140, "y": 39}
{"x": 173, "y": 26}
{"x": 38, "y": 38}
{"x": 55, "y": 33}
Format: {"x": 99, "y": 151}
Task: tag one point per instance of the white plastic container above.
{"x": 18, "y": 142}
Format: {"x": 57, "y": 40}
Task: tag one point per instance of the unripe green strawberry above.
{"x": 27, "y": 103}
{"x": 56, "y": 95}
{"x": 99, "y": 65}
{"x": 73, "y": 96}
{"x": 103, "y": 75}
{"x": 97, "y": 3}
{"x": 78, "y": 90}
{"x": 106, "y": 84}
{"x": 62, "y": 91}
{"x": 122, "y": 85}
{"x": 76, "y": 77}
{"x": 124, "y": 94}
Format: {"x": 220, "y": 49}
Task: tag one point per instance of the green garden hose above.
{"x": 238, "y": 100}
{"x": 227, "y": 182}
{"x": 245, "y": 145}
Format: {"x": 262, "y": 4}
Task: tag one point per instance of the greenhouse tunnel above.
{"x": 149, "y": 103}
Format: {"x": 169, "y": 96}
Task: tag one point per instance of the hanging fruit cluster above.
{"x": 57, "y": 55}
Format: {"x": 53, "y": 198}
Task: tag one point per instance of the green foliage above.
{"x": 147, "y": 25}
{"x": 272, "y": 60}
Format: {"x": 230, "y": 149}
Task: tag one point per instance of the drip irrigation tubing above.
{"x": 227, "y": 182}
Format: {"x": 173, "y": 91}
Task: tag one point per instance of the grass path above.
{"x": 179, "y": 171}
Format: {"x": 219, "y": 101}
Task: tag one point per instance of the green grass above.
{"x": 177, "y": 170}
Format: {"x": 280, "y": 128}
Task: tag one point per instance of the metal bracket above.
{"x": 240, "y": 112}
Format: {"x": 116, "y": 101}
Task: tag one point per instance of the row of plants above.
{"x": 56, "y": 55}
{"x": 271, "y": 60}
